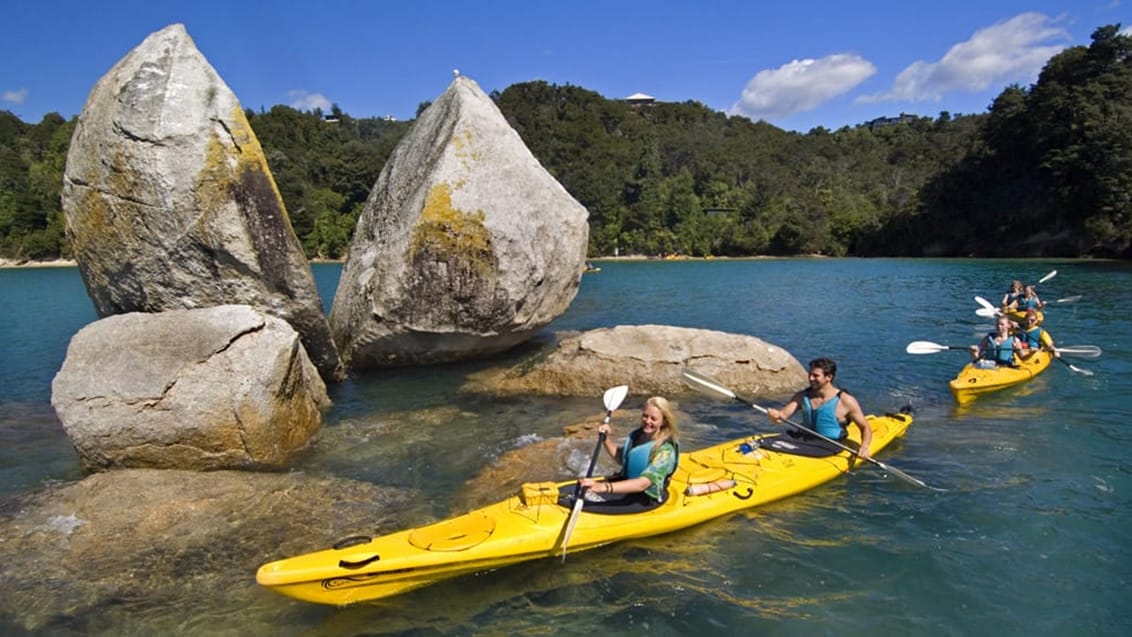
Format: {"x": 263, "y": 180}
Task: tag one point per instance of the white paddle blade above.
{"x": 1048, "y": 277}
{"x": 1083, "y": 372}
{"x": 986, "y": 304}
{"x": 987, "y": 312}
{"x": 925, "y": 347}
{"x": 1069, "y": 299}
{"x": 571, "y": 523}
{"x": 704, "y": 384}
{"x": 1081, "y": 351}
{"x": 614, "y": 396}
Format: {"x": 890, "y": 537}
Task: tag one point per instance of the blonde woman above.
{"x": 648, "y": 456}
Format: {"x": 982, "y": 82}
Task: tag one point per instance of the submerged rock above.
{"x": 83, "y": 558}
{"x": 225, "y": 387}
{"x": 465, "y": 248}
{"x": 169, "y": 201}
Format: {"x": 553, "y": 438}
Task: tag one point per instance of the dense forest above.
{"x": 1046, "y": 171}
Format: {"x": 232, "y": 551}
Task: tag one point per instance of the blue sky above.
{"x": 796, "y": 64}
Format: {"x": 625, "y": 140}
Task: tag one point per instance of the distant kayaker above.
{"x": 1033, "y": 337}
{"x": 825, "y": 408}
{"x": 1000, "y": 346}
{"x": 648, "y": 455}
{"x": 1028, "y": 301}
{"x": 1013, "y": 295}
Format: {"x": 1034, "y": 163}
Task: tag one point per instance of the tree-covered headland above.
{"x": 1046, "y": 171}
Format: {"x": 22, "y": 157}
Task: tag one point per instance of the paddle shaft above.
{"x": 579, "y": 492}
{"x": 1073, "y": 368}
{"x": 593, "y": 459}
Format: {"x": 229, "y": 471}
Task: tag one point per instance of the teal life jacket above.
{"x": 1032, "y": 338}
{"x": 1001, "y": 354}
{"x": 635, "y": 459}
{"x": 823, "y": 419}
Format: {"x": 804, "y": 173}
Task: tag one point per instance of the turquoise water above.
{"x": 1032, "y": 536}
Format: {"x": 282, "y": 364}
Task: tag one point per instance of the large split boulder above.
{"x": 169, "y": 202}
{"x": 226, "y": 387}
{"x": 466, "y": 247}
{"x": 650, "y": 359}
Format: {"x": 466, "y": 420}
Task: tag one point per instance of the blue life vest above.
{"x": 824, "y": 419}
{"x": 1001, "y": 354}
{"x": 634, "y": 459}
{"x": 1027, "y": 303}
{"x": 1032, "y": 338}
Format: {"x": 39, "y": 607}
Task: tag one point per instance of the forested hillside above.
{"x": 1046, "y": 171}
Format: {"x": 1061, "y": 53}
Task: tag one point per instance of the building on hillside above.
{"x": 640, "y": 99}
{"x": 904, "y": 118}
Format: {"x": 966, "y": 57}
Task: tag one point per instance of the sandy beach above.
{"x": 29, "y": 263}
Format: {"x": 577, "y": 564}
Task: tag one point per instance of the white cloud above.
{"x": 14, "y": 97}
{"x": 801, "y": 85}
{"x": 1010, "y": 51}
{"x": 305, "y": 101}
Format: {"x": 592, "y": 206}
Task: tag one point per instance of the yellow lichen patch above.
{"x": 91, "y": 228}
{"x": 448, "y": 231}
{"x": 225, "y": 166}
{"x": 463, "y": 144}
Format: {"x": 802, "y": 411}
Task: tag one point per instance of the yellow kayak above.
{"x": 529, "y": 525}
{"x": 974, "y": 381}
{"x": 1020, "y": 315}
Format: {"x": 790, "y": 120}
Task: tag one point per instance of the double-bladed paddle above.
{"x": 712, "y": 387}
{"x": 928, "y": 347}
{"x": 1083, "y": 351}
{"x": 612, "y": 399}
{"x": 988, "y": 310}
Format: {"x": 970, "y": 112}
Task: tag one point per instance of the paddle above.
{"x": 928, "y": 347}
{"x": 1069, "y": 299}
{"x": 1047, "y": 277}
{"x": 987, "y": 305}
{"x": 1073, "y": 368}
{"x": 711, "y": 387}
{"x": 612, "y": 400}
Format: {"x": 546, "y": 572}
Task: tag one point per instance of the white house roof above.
{"x": 640, "y": 96}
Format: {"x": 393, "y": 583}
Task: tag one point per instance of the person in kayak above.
{"x": 827, "y": 409}
{"x": 1033, "y": 337}
{"x": 1028, "y": 301}
{"x": 1013, "y": 295}
{"x": 998, "y": 347}
{"x": 648, "y": 455}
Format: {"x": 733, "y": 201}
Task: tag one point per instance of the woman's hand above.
{"x": 598, "y": 486}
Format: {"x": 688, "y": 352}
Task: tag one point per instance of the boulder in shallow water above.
{"x": 169, "y": 202}
{"x": 650, "y": 359}
{"x": 224, "y": 387}
{"x": 466, "y": 247}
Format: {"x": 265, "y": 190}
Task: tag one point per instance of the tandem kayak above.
{"x": 1020, "y": 315}
{"x": 974, "y": 381}
{"x": 529, "y": 525}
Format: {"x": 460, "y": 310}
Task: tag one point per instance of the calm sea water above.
{"x": 1031, "y": 538}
